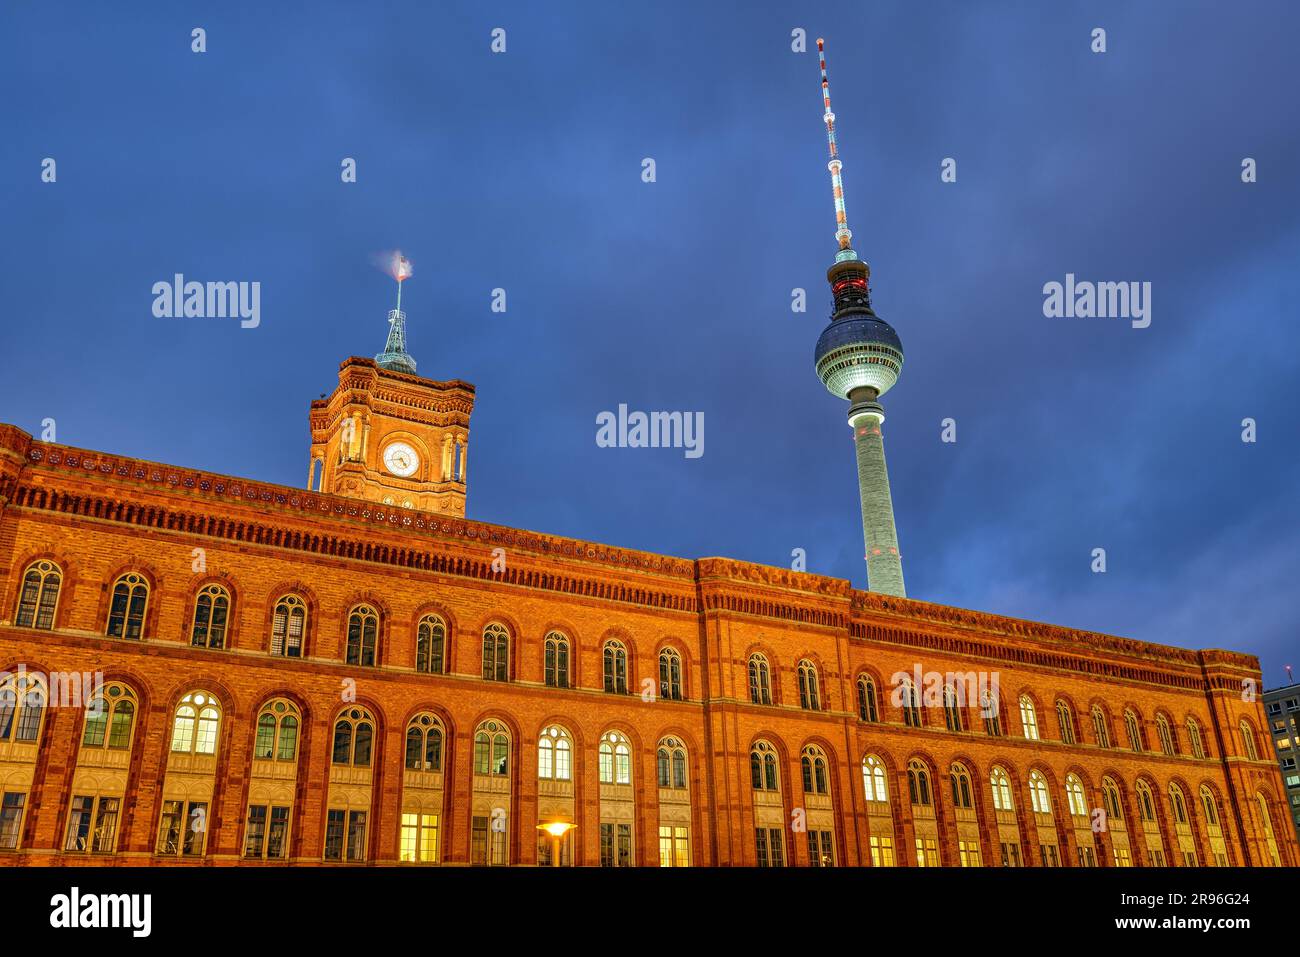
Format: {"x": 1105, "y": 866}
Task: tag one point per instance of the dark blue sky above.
{"x": 522, "y": 170}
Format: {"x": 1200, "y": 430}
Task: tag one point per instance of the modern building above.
{"x": 1282, "y": 708}
{"x": 200, "y": 668}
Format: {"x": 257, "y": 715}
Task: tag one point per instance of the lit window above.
{"x": 1028, "y": 718}
{"x": 615, "y": 759}
{"x": 195, "y": 724}
{"x": 555, "y": 755}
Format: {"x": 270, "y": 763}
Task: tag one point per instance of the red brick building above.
{"x": 356, "y": 673}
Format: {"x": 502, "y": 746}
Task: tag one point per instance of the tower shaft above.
{"x": 884, "y": 563}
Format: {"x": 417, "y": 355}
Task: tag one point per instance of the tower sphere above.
{"x": 858, "y": 351}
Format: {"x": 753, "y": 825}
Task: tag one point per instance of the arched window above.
{"x": 424, "y": 743}
{"x": 1194, "y": 738}
{"x": 492, "y": 750}
{"x": 1040, "y": 799}
{"x": 1110, "y": 797}
{"x": 962, "y": 795}
{"x": 762, "y": 767}
{"x": 813, "y": 764}
{"x": 953, "y": 715}
{"x": 910, "y": 702}
{"x": 670, "y": 675}
{"x": 1133, "y": 730}
{"x": 1074, "y": 797}
{"x": 615, "y": 759}
{"x": 1266, "y": 820}
{"x": 557, "y": 660}
{"x": 1210, "y": 805}
{"x": 430, "y": 645}
{"x": 211, "y": 610}
{"x": 39, "y": 596}
{"x": 615, "y": 664}
{"x": 671, "y": 764}
{"x": 288, "y": 626}
{"x": 22, "y": 706}
{"x": 1000, "y": 784}
{"x": 867, "y": 710}
{"x": 1146, "y": 802}
{"x": 760, "y": 680}
{"x": 1028, "y": 718}
{"x": 1100, "y": 727}
{"x": 1165, "y": 735}
{"x": 1248, "y": 740}
{"x": 809, "y": 699}
{"x": 1179, "y": 803}
{"x": 363, "y": 634}
{"x": 555, "y": 754}
{"x": 1065, "y": 720}
{"x": 110, "y": 717}
{"x": 874, "y": 780}
{"x": 354, "y": 737}
{"x": 126, "y": 612}
{"x": 277, "y": 731}
{"x": 496, "y": 653}
{"x": 992, "y": 717}
{"x": 918, "y": 783}
{"x": 196, "y": 723}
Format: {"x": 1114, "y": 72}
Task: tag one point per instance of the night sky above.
{"x": 522, "y": 171}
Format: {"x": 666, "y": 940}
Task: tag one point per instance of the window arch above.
{"x": 1248, "y": 740}
{"x": 1040, "y": 798}
{"x": 953, "y": 714}
{"x": 126, "y": 610}
{"x": 670, "y": 675}
{"x": 1100, "y": 726}
{"x": 110, "y": 718}
{"x": 1194, "y": 738}
{"x": 615, "y": 759}
{"x": 22, "y": 708}
{"x": 555, "y": 754}
{"x": 496, "y": 653}
{"x": 354, "y": 738}
{"x": 614, "y": 657}
{"x": 424, "y": 738}
{"x": 288, "y": 627}
{"x": 762, "y": 767}
{"x": 1074, "y": 796}
{"x": 196, "y": 723}
{"x": 867, "y": 705}
{"x": 1210, "y": 806}
{"x": 1165, "y": 734}
{"x": 1000, "y": 784}
{"x": 874, "y": 781}
{"x": 918, "y": 783}
{"x": 39, "y": 597}
{"x": 1028, "y": 718}
{"x": 813, "y": 764}
{"x": 962, "y": 793}
{"x": 430, "y": 645}
{"x": 492, "y": 750}
{"x": 1133, "y": 729}
{"x": 1178, "y": 802}
{"x": 1065, "y": 720}
{"x": 556, "y": 661}
{"x": 211, "y": 612}
{"x": 363, "y": 636}
{"x": 1266, "y": 819}
{"x": 671, "y": 764}
{"x": 809, "y": 697}
{"x": 1110, "y": 797}
{"x": 992, "y": 714}
{"x": 277, "y": 731}
{"x": 1146, "y": 802}
{"x": 760, "y": 680}
{"x": 910, "y": 702}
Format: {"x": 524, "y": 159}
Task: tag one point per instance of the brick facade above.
{"x": 98, "y": 516}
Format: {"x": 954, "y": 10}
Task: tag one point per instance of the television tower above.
{"x": 859, "y": 357}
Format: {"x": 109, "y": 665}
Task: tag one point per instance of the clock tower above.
{"x": 388, "y": 436}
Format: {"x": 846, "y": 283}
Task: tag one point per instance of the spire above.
{"x": 395, "y": 356}
{"x": 843, "y": 234}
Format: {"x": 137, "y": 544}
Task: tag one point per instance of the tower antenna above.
{"x": 843, "y": 234}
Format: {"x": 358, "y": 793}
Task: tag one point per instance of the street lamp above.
{"x": 557, "y": 830}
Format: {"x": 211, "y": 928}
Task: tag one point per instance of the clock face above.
{"x": 401, "y": 459}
